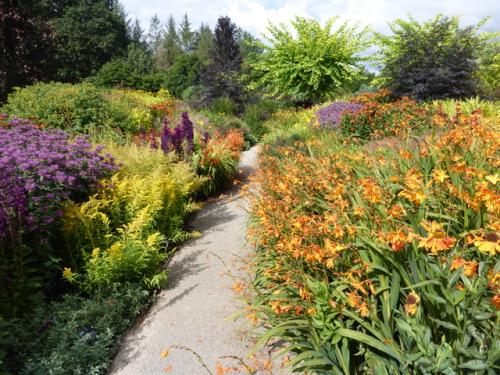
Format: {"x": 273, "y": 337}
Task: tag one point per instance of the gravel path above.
{"x": 192, "y": 311}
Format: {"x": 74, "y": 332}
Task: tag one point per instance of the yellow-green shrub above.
{"x": 123, "y": 232}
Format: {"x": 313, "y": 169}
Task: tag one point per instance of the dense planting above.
{"x": 72, "y": 220}
{"x": 382, "y": 261}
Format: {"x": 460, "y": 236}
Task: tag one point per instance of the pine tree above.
{"x": 222, "y": 75}
{"x": 204, "y": 43}
{"x": 155, "y": 35}
{"x": 136, "y": 33}
{"x": 186, "y": 34}
{"x": 171, "y": 46}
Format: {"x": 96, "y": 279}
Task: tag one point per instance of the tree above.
{"x": 204, "y": 42}
{"x": 137, "y": 34}
{"x": 249, "y": 45}
{"x": 186, "y": 34}
{"x": 171, "y": 46}
{"x": 311, "y": 64}
{"x": 139, "y": 59}
{"x": 489, "y": 66}
{"x": 222, "y": 75}
{"x": 435, "y": 59}
{"x": 26, "y": 44}
{"x": 155, "y": 35}
{"x": 184, "y": 73}
{"x": 87, "y": 35}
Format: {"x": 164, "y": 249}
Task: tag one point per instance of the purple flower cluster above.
{"x": 330, "y": 116}
{"x": 182, "y": 134}
{"x": 39, "y": 169}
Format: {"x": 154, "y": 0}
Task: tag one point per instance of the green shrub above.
{"x": 256, "y": 114}
{"x": 311, "y": 63}
{"x": 224, "y": 106}
{"x": 79, "y": 108}
{"x": 122, "y": 231}
{"x": 74, "y": 336}
{"x": 436, "y": 59}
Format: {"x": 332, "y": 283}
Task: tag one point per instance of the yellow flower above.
{"x": 412, "y": 301}
{"x": 439, "y": 175}
{"x": 96, "y": 252}
{"x": 489, "y": 243}
{"x": 493, "y": 179}
{"x": 67, "y": 273}
{"x": 436, "y": 240}
{"x": 153, "y": 239}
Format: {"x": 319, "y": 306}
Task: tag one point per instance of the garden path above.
{"x": 192, "y": 312}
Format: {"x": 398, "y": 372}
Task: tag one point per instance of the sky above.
{"x": 254, "y": 15}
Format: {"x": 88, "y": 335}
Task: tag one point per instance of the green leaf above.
{"x": 369, "y": 340}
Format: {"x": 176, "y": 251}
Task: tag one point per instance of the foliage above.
{"x": 312, "y": 65}
{"x": 185, "y": 72}
{"x": 330, "y": 116}
{"x": 451, "y": 106}
{"x": 122, "y": 232}
{"x": 224, "y": 105}
{"x": 433, "y": 60}
{"x": 120, "y": 73}
{"x": 489, "y": 66}
{"x": 382, "y": 261}
{"x": 204, "y": 43}
{"x": 39, "y": 170}
{"x": 26, "y": 45}
{"x": 376, "y": 120}
{"x": 186, "y": 35}
{"x": 79, "y": 108}
{"x": 221, "y": 76}
{"x": 76, "y": 335}
{"x": 218, "y": 160}
{"x": 256, "y": 114}
{"x": 88, "y": 35}
{"x": 170, "y": 49}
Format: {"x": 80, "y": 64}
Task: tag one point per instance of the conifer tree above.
{"x": 222, "y": 76}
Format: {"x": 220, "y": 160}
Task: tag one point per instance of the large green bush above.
{"x": 312, "y": 63}
{"x": 79, "y": 108}
{"x": 431, "y": 60}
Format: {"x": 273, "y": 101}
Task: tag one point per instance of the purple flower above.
{"x": 330, "y": 116}
{"x": 206, "y": 137}
{"x": 177, "y": 139}
{"x": 165, "y": 136}
{"x": 39, "y": 169}
{"x": 188, "y": 132}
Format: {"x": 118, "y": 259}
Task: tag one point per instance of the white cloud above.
{"x": 254, "y": 15}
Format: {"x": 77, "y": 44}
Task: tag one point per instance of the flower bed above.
{"x": 382, "y": 262}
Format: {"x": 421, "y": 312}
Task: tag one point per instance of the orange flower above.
{"x": 411, "y": 304}
{"x": 496, "y": 301}
{"x": 436, "y": 240}
{"x": 397, "y": 211}
{"x": 469, "y": 267}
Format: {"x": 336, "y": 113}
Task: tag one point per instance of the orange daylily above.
{"x": 436, "y": 240}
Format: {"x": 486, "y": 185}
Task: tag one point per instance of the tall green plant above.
{"x": 431, "y": 60}
{"x": 311, "y": 63}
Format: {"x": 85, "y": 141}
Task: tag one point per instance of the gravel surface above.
{"x": 192, "y": 312}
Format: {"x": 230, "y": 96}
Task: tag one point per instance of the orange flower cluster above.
{"x": 322, "y": 208}
{"x": 380, "y": 117}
